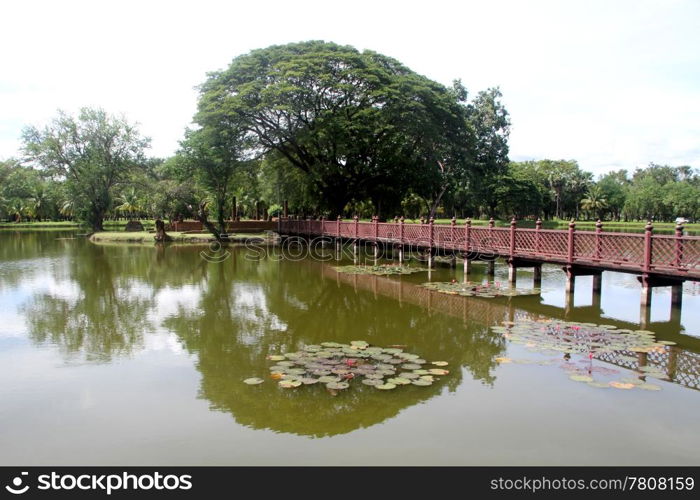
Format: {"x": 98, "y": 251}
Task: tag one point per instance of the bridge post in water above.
{"x": 401, "y": 229}
{"x": 430, "y": 242}
{"x": 467, "y": 237}
{"x": 537, "y": 276}
{"x": 512, "y": 268}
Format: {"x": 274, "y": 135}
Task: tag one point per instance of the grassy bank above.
{"x": 65, "y": 224}
{"x": 177, "y": 237}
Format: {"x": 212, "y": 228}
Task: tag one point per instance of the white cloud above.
{"x": 611, "y": 84}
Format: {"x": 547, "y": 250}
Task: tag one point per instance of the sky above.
{"x": 611, "y": 84}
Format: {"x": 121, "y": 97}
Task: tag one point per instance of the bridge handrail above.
{"x": 646, "y": 252}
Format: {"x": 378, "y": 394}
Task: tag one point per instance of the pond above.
{"x": 137, "y": 355}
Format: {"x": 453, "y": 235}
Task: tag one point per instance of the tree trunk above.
{"x": 436, "y": 203}
{"x": 201, "y": 216}
{"x": 161, "y": 236}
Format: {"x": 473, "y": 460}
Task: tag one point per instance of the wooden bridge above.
{"x": 659, "y": 260}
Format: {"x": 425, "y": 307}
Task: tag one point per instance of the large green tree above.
{"x": 359, "y": 124}
{"x": 491, "y": 124}
{"x": 93, "y": 151}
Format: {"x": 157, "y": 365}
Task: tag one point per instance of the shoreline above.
{"x": 143, "y": 237}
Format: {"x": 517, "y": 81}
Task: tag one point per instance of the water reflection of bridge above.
{"x": 681, "y": 365}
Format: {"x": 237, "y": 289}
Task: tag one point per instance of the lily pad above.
{"x": 438, "y": 371}
{"x": 649, "y": 387}
{"x": 488, "y": 291}
{"x": 276, "y": 358}
{"x": 386, "y": 387}
{"x": 253, "y": 381}
{"x": 380, "y": 270}
{"x": 399, "y": 381}
{"x": 621, "y": 385}
{"x": 337, "y": 385}
{"x": 440, "y": 363}
{"x": 581, "y": 378}
{"x": 289, "y": 384}
{"x": 327, "y": 379}
{"x": 411, "y": 366}
{"x": 422, "y": 382}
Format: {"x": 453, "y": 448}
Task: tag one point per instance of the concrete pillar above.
{"x": 570, "y": 283}
{"x": 430, "y": 259}
{"x": 646, "y": 296}
{"x": 467, "y": 268}
{"x": 537, "y": 276}
{"x": 677, "y": 295}
{"x": 400, "y": 254}
{"x": 512, "y": 273}
{"x": 596, "y": 290}
{"x": 491, "y": 269}
{"x": 453, "y": 261}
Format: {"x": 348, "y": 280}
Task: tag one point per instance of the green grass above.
{"x": 148, "y": 224}
{"x": 177, "y": 237}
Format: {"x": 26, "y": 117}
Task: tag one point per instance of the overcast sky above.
{"x": 612, "y": 84}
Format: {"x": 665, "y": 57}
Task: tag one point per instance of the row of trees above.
{"x": 333, "y": 131}
{"x": 560, "y": 189}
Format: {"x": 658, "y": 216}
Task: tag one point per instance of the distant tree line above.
{"x": 333, "y": 131}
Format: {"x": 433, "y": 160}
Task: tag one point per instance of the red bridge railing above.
{"x": 672, "y": 255}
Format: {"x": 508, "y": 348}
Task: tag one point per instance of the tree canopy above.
{"x": 93, "y": 152}
{"x": 360, "y": 125}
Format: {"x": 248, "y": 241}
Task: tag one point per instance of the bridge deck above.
{"x": 675, "y": 256}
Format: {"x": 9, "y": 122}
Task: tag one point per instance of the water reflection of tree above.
{"x": 252, "y": 309}
{"x": 101, "y": 318}
{"x": 103, "y": 296}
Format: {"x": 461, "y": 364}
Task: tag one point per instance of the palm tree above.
{"x": 131, "y": 204}
{"x": 39, "y": 200}
{"x": 594, "y": 201}
{"x": 67, "y": 209}
{"x": 17, "y": 209}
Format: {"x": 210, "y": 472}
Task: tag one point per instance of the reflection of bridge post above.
{"x": 648, "y": 283}
{"x": 569, "y": 300}
{"x": 537, "y": 277}
{"x": 672, "y": 365}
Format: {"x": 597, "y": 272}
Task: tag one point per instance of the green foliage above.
{"x": 359, "y": 125}
{"x": 94, "y": 152}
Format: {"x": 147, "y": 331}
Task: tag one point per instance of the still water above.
{"x": 136, "y": 355}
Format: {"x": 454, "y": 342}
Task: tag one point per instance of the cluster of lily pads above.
{"x": 337, "y": 365}
{"x": 589, "y": 341}
{"x": 488, "y": 290}
{"x": 380, "y": 269}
